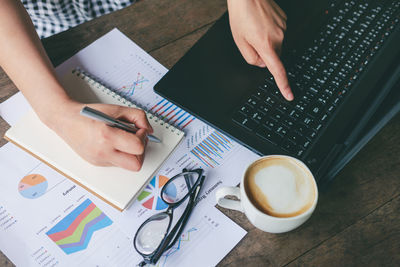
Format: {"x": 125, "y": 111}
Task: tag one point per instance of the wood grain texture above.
{"x": 369, "y": 181}
{"x": 151, "y": 24}
{"x": 372, "y": 241}
{"x": 4, "y": 261}
{"x": 356, "y": 220}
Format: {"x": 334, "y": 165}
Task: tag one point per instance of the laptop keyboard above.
{"x": 321, "y": 77}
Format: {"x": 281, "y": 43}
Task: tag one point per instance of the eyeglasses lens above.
{"x": 175, "y": 190}
{"x": 152, "y": 233}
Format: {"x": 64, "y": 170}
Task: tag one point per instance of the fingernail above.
{"x": 289, "y": 96}
{"x": 262, "y": 65}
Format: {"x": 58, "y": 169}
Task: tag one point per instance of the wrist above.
{"x": 55, "y": 115}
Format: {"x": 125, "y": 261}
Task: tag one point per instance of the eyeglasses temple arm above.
{"x": 185, "y": 217}
{"x": 181, "y": 223}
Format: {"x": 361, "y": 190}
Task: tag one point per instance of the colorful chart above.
{"x": 33, "y": 186}
{"x": 172, "y": 114}
{"x": 128, "y": 90}
{"x": 150, "y": 196}
{"x": 73, "y": 233}
{"x": 212, "y": 150}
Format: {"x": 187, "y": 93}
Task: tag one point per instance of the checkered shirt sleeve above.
{"x": 54, "y": 16}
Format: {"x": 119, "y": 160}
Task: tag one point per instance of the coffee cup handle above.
{"x": 229, "y": 203}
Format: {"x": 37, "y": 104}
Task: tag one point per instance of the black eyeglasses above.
{"x": 154, "y": 236}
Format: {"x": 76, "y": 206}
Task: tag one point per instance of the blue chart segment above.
{"x": 172, "y": 114}
{"x": 33, "y": 186}
{"x": 74, "y": 232}
{"x": 212, "y": 150}
{"x": 150, "y": 196}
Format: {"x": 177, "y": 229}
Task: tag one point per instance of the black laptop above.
{"x": 342, "y": 60}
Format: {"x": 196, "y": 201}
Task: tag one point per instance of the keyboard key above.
{"x": 266, "y": 134}
{"x": 336, "y": 101}
{"x": 250, "y": 124}
{"x": 311, "y": 135}
{"x": 301, "y": 105}
{"x": 277, "y": 93}
{"x": 246, "y": 109}
{"x": 300, "y": 152}
{"x": 270, "y": 100}
{"x": 296, "y": 138}
{"x": 301, "y": 129}
{"x": 284, "y": 108}
{"x": 321, "y": 75}
{"x": 264, "y": 109}
{"x": 331, "y": 109}
{"x": 315, "y": 109}
{"x": 317, "y": 126}
{"x": 270, "y": 123}
{"x": 289, "y": 146}
{"x": 252, "y": 101}
{"x": 324, "y": 118}
{"x": 313, "y": 89}
{"x": 265, "y": 87}
{"x": 281, "y": 130}
{"x": 295, "y": 114}
{"x": 246, "y": 122}
{"x": 257, "y": 116}
{"x": 239, "y": 117}
{"x": 307, "y": 120}
{"x": 278, "y": 116}
{"x": 288, "y": 122}
{"x": 260, "y": 95}
{"x": 305, "y": 143}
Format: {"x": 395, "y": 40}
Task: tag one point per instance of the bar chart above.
{"x": 213, "y": 149}
{"x": 172, "y": 114}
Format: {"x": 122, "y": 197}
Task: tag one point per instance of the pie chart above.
{"x": 150, "y": 196}
{"x": 32, "y": 186}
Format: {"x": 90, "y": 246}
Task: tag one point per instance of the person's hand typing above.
{"x": 99, "y": 143}
{"x": 258, "y": 28}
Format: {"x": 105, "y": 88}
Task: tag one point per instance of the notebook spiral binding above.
{"x": 151, "y": 116}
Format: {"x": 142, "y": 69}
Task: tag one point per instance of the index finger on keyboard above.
{"x": 277, "y": 70}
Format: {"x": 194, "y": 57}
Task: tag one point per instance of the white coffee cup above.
{"x": 299, "y": 190}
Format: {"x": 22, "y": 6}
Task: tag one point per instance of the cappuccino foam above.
{"x": 280, "y": 187}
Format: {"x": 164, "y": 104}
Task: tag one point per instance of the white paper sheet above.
{"x": 14, "y": 108}
{"x": 31, "y": 220}
{"x": 132, "y": 72}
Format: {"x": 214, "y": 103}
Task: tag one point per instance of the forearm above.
{"x": 24, "y": 59}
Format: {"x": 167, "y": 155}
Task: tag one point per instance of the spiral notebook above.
{"x": 116, "y": 186}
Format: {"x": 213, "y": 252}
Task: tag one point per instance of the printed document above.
{"x": 40, "y": 226}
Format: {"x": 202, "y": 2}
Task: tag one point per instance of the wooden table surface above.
{"x": 357, "y": 220}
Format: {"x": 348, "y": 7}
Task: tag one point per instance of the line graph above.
{"x": 191, "y": 241}
{"x": 185, "y": 237}
{"x": 129, "y": 90}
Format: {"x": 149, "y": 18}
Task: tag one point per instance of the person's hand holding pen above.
{"x": 33, "y": 73}
{"x": 258, "y": 28}
{"x": 100, "y": 144}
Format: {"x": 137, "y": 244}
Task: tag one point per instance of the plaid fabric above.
{"x": 53, "y": 16}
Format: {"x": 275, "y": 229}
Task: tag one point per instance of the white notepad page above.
{"x": 117, "y": 186}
